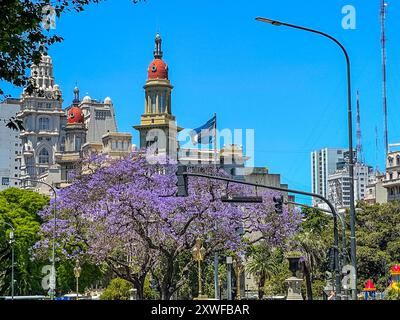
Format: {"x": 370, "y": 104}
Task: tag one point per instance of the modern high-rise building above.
{"x": 10, "y": 143}
{"x": 323, "y": 163}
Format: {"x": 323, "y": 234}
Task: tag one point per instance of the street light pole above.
{"x": 77, "y": 273}
{"x": 350, "y": 137}
{"x": 229, "y": 261}
{"x": 12, "y": 234}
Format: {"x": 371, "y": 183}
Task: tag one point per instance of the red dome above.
{"x": 395, "y": 270}
{"x": 369, "y": 286}
{"x": 75, "y": 115}
{"x": 158, "y": 69}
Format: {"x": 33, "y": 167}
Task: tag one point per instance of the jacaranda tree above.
{"x": 125, "y": 213}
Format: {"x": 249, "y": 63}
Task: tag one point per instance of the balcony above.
{"x": 391, "y": 183}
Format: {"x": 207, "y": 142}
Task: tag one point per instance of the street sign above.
{"x": 241, "y": 199}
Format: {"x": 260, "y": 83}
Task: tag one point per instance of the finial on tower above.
{"x": 76, "y": 94}
{"x": 158, "y": 54}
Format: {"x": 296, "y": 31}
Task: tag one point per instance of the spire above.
{"x": 360, "y": 157}
{"x": 158, "y": 54}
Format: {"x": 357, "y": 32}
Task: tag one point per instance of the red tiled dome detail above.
{"x": 75, "y": 115}
{"x": 158, "y": 69}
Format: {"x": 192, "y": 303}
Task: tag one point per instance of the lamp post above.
{"x": 53, "y": 254}
{"x": 77, "y": 273}
{"x": 198, "y": 256}
{"x": 229, "y": 278}
{"x": 237, "y": 264}
{"x": 350, "y": 137}
{"x": 12, "y": 240}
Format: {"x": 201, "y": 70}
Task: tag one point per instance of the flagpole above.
{"x": 216, "y": 281}
{"x": 215, "y": 141}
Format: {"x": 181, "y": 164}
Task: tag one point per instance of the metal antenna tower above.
{"x": 360, "y": 156}
{"x": 384, "y": 84}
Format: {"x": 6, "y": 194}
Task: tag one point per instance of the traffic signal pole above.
{"x": 182, "y": 176}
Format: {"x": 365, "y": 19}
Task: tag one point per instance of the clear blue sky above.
{"x": 286, "y": 84}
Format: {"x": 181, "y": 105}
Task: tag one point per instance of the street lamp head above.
{"x": 273, "y": 22}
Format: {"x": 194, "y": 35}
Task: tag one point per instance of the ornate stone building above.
{"x": 55, "y": 139}
{"x": 44, "y": 120}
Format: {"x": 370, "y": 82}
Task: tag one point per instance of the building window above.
{"x": 153, "y": 103}
{"x": 78, "y": 144}
{"x": 62, "y": 144}
{"x": 5, "y": 181}
{"x": 162, "y": 103}
{"x": 44, "y": 124}
{"x": 44, "y": 157}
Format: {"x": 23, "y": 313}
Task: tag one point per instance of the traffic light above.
{"x": 331, "y": 259}
{"x": 278, "y": 204}
{"x": 182, "y": 182}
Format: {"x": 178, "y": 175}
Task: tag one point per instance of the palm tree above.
{"x": 314, "y": 253}
{"x": 262, "y": 265}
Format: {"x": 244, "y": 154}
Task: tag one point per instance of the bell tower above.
{"x": 158, "y": 125}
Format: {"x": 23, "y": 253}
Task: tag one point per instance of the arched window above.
{"x": 44, "y": 124}
{"x": 44, "y": 157}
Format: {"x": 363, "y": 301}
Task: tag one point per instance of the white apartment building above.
{"x": 323, "y": 163}
{"x": 339, "y": 185}
{"x": 10, "y": 144}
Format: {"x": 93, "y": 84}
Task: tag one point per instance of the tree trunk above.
{"x": 165, "y": 293}
{"x": 261, "y": 284}
{"x": 139, "y": 286}
{"x": 307, "y": 277}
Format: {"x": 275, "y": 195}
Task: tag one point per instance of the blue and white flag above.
{"x": 205, "y": 133}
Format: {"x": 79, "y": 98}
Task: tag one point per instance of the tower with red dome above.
{"x": 158, "y": 125}
{"x": 75, "y": 130}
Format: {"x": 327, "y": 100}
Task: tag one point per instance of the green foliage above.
{"x": 393, "y": 293}
{"x": 263, "y": 264}
{"x": 66, "y": 281}
{"x": 19, "y": 208}
{"x": 118, "y": 289}
{"x": 149, "y": 292}
{"x": 276, "y": 284}
{"x": 378, "y": 245}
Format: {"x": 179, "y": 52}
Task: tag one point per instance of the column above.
{"x": 157, "y": 102}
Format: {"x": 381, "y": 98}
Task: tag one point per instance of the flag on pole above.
{"x": 204, "y": 134}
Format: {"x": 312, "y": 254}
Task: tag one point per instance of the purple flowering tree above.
{"x": 125, "y": 213}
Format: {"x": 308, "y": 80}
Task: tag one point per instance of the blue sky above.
{"x": 287, "y": 85}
